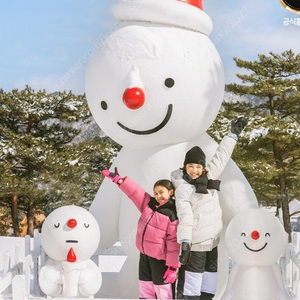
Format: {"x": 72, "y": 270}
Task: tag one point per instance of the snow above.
{"x": 133, "y": 78}
{"x": 72, "y": 105}
{"x": 73, "y": 162}
{"x": 256, "y": 133}
{"x": 111, "y": 263}
{"x": 9, "y": 151}
{"x": 230, "y": 97}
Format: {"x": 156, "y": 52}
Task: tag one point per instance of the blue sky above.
{"x": 46, "y": 44}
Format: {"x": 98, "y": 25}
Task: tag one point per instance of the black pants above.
{"x": 198, "y": 276}
{"x": 151, "y": 282}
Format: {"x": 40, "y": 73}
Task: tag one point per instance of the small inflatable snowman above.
{"x": 155, "y": 85}
{"x": 255, "y": 240}
{"x": 70, "y": 236}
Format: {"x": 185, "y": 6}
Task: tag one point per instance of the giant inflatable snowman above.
{"x": 70, "y": 236}
{"x": 255, "y": 240}
{"x": 155, "y": 86}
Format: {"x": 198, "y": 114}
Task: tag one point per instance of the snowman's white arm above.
{"x": 50, "y": 278}
{"x": 221, "y": 157}
{"x": 90, "y": 279}
{"x": 232, "y": 277}
{"x": 279, "y": 277}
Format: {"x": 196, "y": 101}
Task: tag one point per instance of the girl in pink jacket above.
{"x": 156, "y": 237}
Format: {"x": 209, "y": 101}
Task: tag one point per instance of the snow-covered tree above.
{"x": 270, "y": 156}
{"x": 40, "y": 166}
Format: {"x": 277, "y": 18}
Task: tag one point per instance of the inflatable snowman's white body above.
{"x": 255, "y": 240}
{"x": 155, "y": 86}
{"x": 70, "y": 236}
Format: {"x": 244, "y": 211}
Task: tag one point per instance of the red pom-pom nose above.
{"x": 255, "y": 235}
{"x": 72, "y": 223}
{"x": 134, "y": 98}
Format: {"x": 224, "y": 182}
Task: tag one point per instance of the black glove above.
{"x": 238, "y": 125}
{"x": 184, "y": 254}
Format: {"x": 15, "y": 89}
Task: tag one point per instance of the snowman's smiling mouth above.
{"x": 153, "y": 130}
{"x": 253, "y": 250}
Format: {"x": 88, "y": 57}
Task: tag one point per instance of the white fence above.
{"x": 22, "y": 262}
{"x": 19, "y": 276}
{"x": 290, "y": 265}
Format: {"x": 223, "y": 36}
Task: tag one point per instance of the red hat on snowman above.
{"x": 197, "y": 3}
{"x": 186, "y": 14}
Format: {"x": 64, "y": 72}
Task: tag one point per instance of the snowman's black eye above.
{"x": 104, "y": 105}
{"x": 169, "y": 82}
{"x": 243, "y": 234}
{"x": 267, "y": 234}
{"x": 86, "y": 225}
{"x": 56, "y": 225}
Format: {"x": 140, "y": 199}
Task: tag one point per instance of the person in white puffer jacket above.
{"x": 200, "y": 216}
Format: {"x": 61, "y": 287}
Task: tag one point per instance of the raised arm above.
{"x": 225, "y": 149}
{"x": 128, "y": 186}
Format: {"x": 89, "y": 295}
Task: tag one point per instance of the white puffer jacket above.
{"x": 200, "y": 215}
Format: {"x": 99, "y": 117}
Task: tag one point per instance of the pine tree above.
{"x": 271, "y": 149}
{"x": 40, "y": 166}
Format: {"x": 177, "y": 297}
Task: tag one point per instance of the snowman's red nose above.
{"x": 72, "y": 223}
{"x": 255, "y": 235}
{"x": 134, "y": 98}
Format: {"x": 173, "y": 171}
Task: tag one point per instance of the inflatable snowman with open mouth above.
{"x": 255, "y": 241}
{"x": 155, "y": 85}
{"x": 70, "y": 236}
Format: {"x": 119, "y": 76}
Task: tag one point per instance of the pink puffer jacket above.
{"x": 156, "y": 232}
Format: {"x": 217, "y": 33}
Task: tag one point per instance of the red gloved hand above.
{"x": 114, "y": 177}
{"x": 170, "y": 275}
